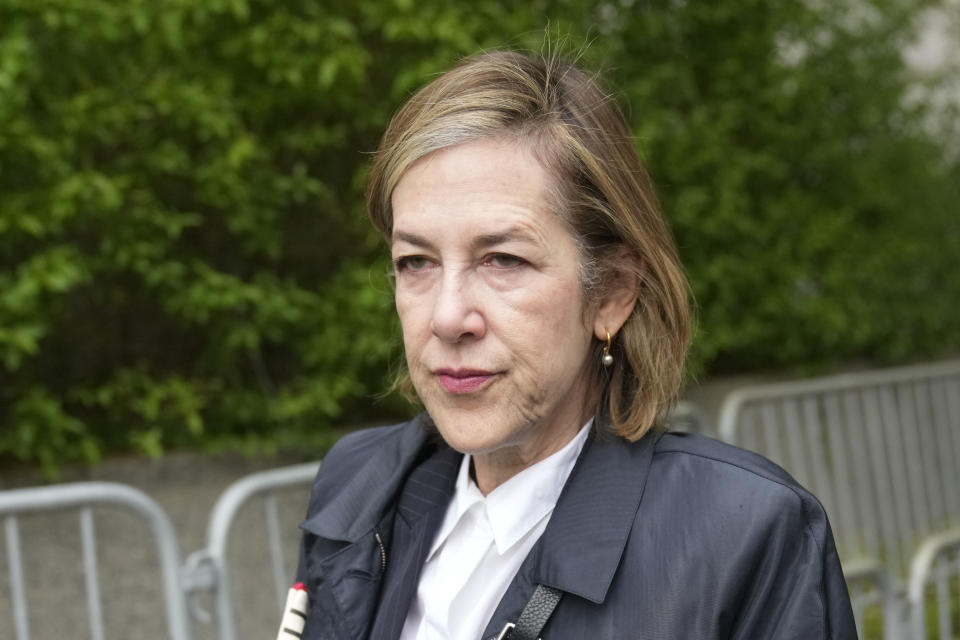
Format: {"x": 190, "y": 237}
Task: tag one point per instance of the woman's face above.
{"x": 489, "y": 297}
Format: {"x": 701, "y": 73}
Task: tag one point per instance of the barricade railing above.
{"x": 934, "y": 588}
{"x": 209, "y": 569}
{"x": 86, "y": 496}
{"x": 874, "y": 599}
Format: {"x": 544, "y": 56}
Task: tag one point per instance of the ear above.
{"x": 618, "y": 304}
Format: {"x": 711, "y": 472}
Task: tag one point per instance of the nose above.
{"x": 456, "y": 313}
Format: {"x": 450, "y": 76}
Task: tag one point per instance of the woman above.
{"x": 545, "y": 324}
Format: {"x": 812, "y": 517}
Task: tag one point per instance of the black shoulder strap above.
{"x": 534, "y": 616}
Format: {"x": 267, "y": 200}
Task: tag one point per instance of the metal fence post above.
{"x": 85, "y": 494}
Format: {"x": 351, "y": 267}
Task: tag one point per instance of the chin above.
{"x": 470, "y": 431}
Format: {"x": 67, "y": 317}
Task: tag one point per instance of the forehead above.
{"x": 484, "y": 183}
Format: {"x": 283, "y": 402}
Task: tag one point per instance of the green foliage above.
{"x": 185, "y": 257}
{"x": 818, "y": 221}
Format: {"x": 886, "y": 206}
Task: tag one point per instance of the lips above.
{"x": 462, "y": 381}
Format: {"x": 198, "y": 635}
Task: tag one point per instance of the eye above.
{"x": 503, "y": 261}
{"x": 411, "y": 263}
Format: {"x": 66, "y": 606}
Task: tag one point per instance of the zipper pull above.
{"x": 383, "y": 552}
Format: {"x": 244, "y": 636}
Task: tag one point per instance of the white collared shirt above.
{"x": 481, "y": 544}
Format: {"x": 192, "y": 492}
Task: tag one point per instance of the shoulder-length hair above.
{"x": 601, "y": 192}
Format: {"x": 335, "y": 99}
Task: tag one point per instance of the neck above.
{"x": 490, "y": 470}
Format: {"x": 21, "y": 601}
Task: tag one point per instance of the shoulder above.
{"x": 719, "y": 457}
{"x": 738, "y": 531}
{"x": 357, "y": 452}
{"x": 735, "y": 486}
{"x": 356, "y": 446}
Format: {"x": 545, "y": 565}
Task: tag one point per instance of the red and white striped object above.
{"x": 294, "y": 613}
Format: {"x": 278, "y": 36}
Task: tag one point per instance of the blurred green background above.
{"x": 185, "y": 259}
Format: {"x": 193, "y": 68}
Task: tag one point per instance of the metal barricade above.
{"x": 934, "y": 588}
{"x": 86, "y": 496}
{"x": 880, "y": 449}
{"x": 877, "y": 609}
{"x": 209, "y": 568}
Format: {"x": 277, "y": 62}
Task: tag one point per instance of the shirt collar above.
{"x": 515, "y": 507}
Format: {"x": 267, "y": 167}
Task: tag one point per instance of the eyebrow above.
{"x": 482, "y": 241}
{"x": 412, "y": 238}
{"x": 492, "y": 239}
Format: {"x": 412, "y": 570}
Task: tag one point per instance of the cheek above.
{"x": 553, "y": 312}
{"x": 547, "y": 338}
{"x": 414, "y": 321}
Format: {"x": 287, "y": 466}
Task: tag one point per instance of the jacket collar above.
{"x": 359, "y": 505}
{"x": 581, "y": 547}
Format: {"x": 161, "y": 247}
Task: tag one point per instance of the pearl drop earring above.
{"x": 607, "y": 359}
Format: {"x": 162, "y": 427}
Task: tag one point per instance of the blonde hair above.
{"x": 602, "y": 193}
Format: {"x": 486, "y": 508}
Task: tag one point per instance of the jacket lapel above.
{"x": 420, "y": 509}
{"x": 344, "y": 560}
{"x": 580, "y": 550}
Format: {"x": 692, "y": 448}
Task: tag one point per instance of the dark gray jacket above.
{"x": 674, "y": 537}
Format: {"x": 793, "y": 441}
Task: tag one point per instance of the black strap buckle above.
{"x": 534, "y": 616}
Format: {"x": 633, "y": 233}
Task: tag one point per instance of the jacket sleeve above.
{"x": 796, "y": 590}
{"x": 302, "y": 561}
